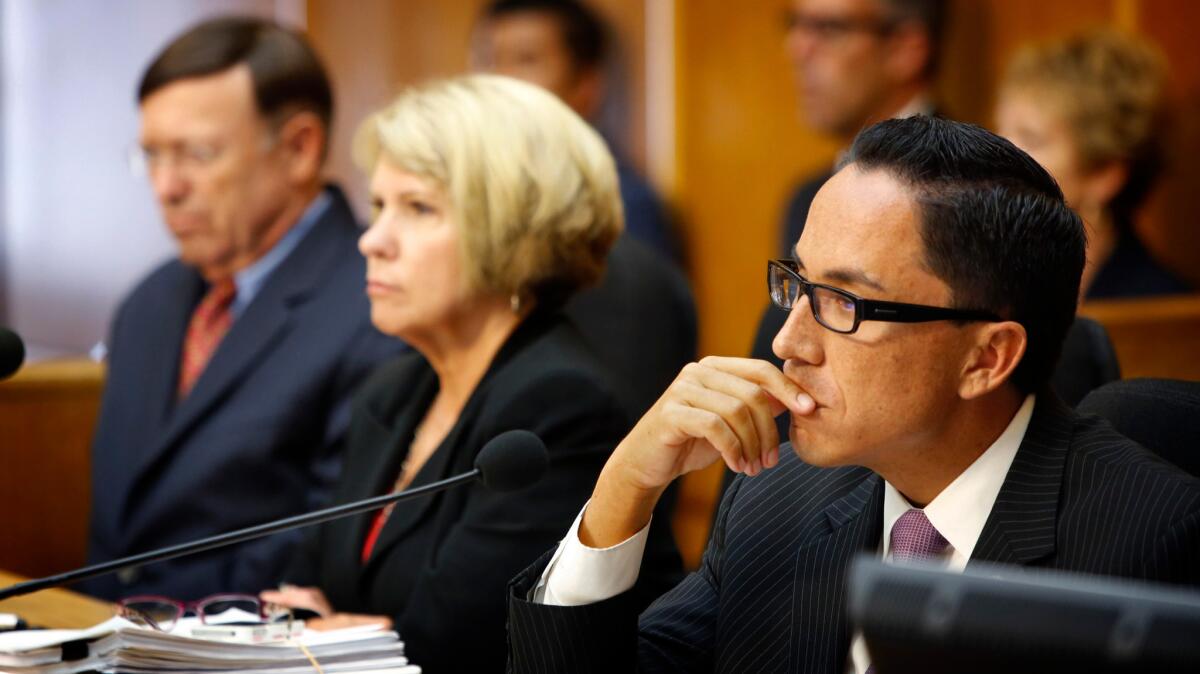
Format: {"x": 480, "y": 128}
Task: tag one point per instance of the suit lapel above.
{"x": 382, "y": 477}
{"x": 855, "y": 525}
{"x": 263, "y": 324}
{"x": 1021, "y": 528}
{"x": 379, "y": 440}
{"x": 449, "y": 456}
{"x": 166, "y": 345}
{"x": 409, "y": 514}
{"x": 153, "y": 374}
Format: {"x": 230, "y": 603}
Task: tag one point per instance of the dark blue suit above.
{"x": 259, "y": 436}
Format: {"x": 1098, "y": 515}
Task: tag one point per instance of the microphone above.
{"x": 510, "y": 461}
{"x": 12, "y": 353}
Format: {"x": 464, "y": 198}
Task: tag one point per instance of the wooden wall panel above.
{"x": 1172, "y": 229}
{"x": 47, "y": 415}
{"x": 375, "y": 47}
{"x": 741, "y": 149}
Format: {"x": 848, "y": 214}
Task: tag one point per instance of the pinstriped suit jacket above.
{"x": 769, "y": 595}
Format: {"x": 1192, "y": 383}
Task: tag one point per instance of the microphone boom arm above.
{"x": 239, "y": 536}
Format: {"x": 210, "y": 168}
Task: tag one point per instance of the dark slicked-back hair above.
{"x": 994, "y": 226}
{"x": 583, "y": 32}
{"x": 286, "y": 72}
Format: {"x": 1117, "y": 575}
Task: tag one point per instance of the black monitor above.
{"x": 1007, "y": 619}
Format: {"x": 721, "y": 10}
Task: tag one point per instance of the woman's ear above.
{"x": 1104, "y": 182}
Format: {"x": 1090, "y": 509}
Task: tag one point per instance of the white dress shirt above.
{"x": 579, "y": 575}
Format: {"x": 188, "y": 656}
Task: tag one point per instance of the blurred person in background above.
{"x": 641, "y": 319}
{"x": 563, "y": 46}
{"x": 1090, "y": 109}
{"x": 857, "y": 62}
{"x": 493, "y": 204}
{"x": 230, "y": 368}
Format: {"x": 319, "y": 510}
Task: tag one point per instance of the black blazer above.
{"x": 769, "y": 596}
{"x": 440, "y": 565}
{"x": 259, "y": 437}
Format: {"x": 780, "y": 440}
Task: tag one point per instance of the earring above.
{"x": 514, "y": 302}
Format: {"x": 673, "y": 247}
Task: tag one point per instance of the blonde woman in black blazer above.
{"x": 493, "y": 203}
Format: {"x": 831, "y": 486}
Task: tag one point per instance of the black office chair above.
{"x": 1088, "y": 361}
{"x": 640, "y": 321}
{"x": 1163, "y": 415}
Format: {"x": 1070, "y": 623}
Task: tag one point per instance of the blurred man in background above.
{"x": 857, "y": 62}
{"x": 563, "y": 46}
{"x": 230, "y": 368}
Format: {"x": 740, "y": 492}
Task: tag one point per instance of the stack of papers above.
{"x": 121, "y": 646}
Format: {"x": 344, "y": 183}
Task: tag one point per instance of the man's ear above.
{"x": 302, "y": 139}
{"x": 586, "y": 93}
{"x": 990, "y": 363}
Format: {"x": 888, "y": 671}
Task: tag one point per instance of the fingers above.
{"x": 737, "y": 422}
{"x": 720, "y": 407}
{"x": 785, "y": 391}
{"x": 291, "y": 596}
{"x": 343, "y": 620}
{"x": 713, "y": 429}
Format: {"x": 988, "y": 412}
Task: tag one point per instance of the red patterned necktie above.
{"x": 210, "y": 321}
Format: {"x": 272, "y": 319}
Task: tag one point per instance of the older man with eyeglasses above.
{"x": 928, "y": 299}
{"x": 230, "y": 369}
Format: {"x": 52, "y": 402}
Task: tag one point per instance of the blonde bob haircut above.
{"x": 1109, "y": 87}
{"x": 532, "y": 187}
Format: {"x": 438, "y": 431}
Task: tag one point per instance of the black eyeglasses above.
{"x": 842, "y": 311}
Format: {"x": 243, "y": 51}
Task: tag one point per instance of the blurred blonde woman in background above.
{"x": 1089, "y": 108}
{"x": 492, "y": 204}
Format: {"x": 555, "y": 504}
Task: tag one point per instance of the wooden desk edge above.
{"x": 56, "y": 608}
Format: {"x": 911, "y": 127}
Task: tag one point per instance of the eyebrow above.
{"x": 844, "y": 275}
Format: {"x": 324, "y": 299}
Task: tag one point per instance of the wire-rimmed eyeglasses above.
{"x": 842, "y": 311}
{"x": 161, "y": 613}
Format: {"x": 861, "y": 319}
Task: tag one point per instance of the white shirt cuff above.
{"x": 578, "y": 574}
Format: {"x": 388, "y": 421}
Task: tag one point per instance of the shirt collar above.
{"x": 961, "y": 510}
{"x": 917, "y": 105}
{"x": 251, "y": 279}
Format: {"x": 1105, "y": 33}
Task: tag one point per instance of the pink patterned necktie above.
{"x": 210, "y": 321}
{"x": 914, "y": 539}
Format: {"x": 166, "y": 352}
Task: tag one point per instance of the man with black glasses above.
{"x": 928, "y": 298}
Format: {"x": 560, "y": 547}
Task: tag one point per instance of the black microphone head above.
{"x": 12, "y": 352}
{"x": 512, "y": 460}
